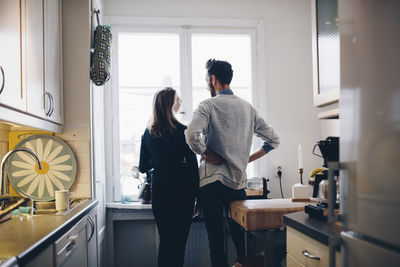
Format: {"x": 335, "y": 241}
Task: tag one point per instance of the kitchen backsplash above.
{"x": 79, "y": 141}
{"x": 4, "y": 129}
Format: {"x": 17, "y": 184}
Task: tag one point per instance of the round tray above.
{"x": 58, "y": 167}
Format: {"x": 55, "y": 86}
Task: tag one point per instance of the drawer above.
{"x": 292, "y": 262}
{"x": 303, "y": 248}
{"x": 70, "y": 249}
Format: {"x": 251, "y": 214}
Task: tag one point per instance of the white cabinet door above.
{"x": 53, "y": 60}
{"x": 42, "y": 59}
{"x": 92, "y": 238}
{"x": 11, "y": 91}
{"x": 34, "y": 58}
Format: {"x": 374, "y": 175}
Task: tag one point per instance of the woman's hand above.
{"x": 212, "y": 157}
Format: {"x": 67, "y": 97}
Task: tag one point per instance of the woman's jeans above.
{"x": 214, "y": 198}
{"x": 172, "y": 204}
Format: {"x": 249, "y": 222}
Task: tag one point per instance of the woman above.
{"x": 175, "y": 178}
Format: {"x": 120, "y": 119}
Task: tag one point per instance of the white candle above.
{"x": 300, "y": 157}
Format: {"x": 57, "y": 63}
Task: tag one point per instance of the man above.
{"x": 221, "y": 132}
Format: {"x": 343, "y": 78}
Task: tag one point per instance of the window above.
{"x": 236, "y": 49}
{"x": 147, "y": 59}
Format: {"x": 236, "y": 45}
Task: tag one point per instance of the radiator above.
{"x": 197, "y": 253}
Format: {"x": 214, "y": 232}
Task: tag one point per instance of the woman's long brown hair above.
{"x": 163, "y": 119}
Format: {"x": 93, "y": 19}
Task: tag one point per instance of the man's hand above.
{"x": 212, "y": 157}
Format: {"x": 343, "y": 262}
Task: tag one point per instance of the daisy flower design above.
{"x": 57, "y": 173}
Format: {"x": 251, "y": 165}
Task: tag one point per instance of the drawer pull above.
{"x": 311, "y": 256}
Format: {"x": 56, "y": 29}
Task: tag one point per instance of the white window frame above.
{"x": 184, "y": 27}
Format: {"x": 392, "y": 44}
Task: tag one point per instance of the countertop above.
{"x": 261, "y": 214}
{"x": 25, "y": 238}
{"x": 318, "y": 230}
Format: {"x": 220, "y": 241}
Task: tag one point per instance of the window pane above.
{"x": 146, "y": 63}
{"x": 236, "y": 49}
{"x": 148, "y": 60}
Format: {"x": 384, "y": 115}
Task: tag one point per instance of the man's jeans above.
{"x": 214, "y": 198}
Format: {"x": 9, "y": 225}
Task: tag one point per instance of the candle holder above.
{"x": 301, "y": 175}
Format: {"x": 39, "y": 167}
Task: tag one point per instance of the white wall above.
{"x": 76, "y": 89}
{"x": 99, "y": 168}
{"x": 288, "y": 70}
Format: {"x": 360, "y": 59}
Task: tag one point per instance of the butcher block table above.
{"x": 264, "y": 218}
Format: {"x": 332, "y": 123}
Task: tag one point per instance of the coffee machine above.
{"x": 329, "y": 149}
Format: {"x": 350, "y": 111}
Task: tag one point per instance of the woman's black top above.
{"x": 170, "y": 157}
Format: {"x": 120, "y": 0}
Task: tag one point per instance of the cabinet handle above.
{"x": 311, "y": 256}
{"x": 73, "y": 238}
{"x": 70, "y": 246}
{"x": 49, "y": 112}
{"x": 4, "y": 80}
{"x": 92, "y": 226}
{"x": 52, "y": 105}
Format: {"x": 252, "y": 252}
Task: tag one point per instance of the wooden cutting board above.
{"x": 260, "y": 214}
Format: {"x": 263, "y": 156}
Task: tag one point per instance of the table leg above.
{"x": 246, "y": 252}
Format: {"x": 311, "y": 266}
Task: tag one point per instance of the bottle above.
{"x": 127, "y": 188}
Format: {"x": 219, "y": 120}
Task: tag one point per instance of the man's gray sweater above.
{"x": 226, "y": 124}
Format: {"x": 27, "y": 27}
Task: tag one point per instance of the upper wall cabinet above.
{"x": 326, "y": 52}
{"x": 43, "y": 63}
{"x": 33, "y": 59}
{"x": 12, "y": 93}
{"x": 53, "y": 59}
{"x": 31, "y": 63}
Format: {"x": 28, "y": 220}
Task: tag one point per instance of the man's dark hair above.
{"x": 222, "y": 70}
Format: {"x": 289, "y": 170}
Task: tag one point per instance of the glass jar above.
{"x": 128, "y": 185}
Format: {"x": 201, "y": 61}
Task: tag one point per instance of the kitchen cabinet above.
{"x": 305, "y": 251}
{"x": 71, "y": 248}
{"x": 31, "y": 63}
{"x": 325, "y": 58}
{"x": 12, "y": 93}
{"x": 42, "y": 59}
{"x": 92, "y": 245}
{"x": 292, "y": 262}
{"x": 45, "y": 258}
{"x": 53, "y": 61}
{"x": 78, "y": 247}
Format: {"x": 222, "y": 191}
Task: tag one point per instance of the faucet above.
{"x": 3, "y": 164}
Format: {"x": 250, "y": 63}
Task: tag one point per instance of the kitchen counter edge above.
{"x": 317, "y": 230}
{"x": 71, "y": 219}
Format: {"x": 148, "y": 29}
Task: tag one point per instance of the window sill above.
{"x": 129, "y": 206}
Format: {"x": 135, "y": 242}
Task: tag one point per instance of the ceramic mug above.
{"x": 62, "y": 200}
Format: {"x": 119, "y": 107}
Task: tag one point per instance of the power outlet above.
{"x": 278, "y": 173}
